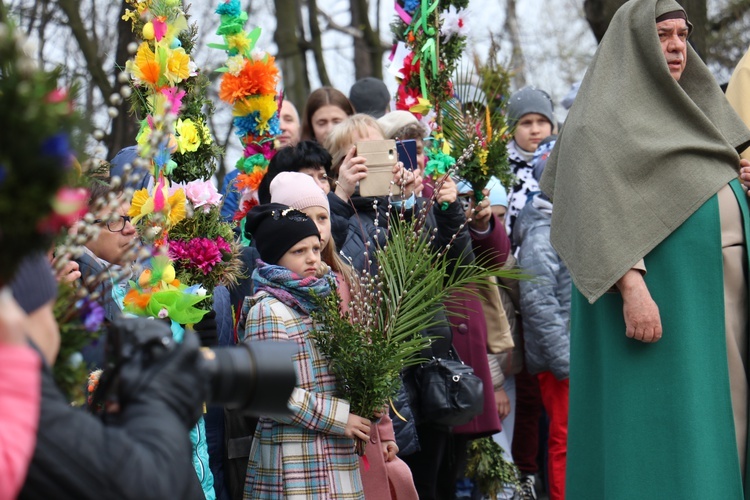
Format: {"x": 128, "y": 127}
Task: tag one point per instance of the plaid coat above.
{"x": 306, "y": 454}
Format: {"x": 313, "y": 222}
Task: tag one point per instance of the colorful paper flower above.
{"x": 453, "y": 23}
{"x": 257, "y": 77}
{"x": 202, "y": 194}
{"x": 178, "y": 66}
{"x": 188, "y": 138}
{"x": 145, "y": 68}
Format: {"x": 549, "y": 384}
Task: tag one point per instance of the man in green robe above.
{"x": 652, "y": 223}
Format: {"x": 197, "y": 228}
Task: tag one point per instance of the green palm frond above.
{"x": 369, "y": 346}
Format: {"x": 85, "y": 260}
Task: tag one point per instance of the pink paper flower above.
{"x": 174, "y": 96}
{"x": 202, "y": 194}
{"x": 201, "y": 253}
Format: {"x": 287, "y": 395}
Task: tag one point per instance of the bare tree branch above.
{"x": 88, "y": 47}
{"x": 730, "y": 14}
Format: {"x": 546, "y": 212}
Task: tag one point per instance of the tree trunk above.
{"x": 316, "y": 43}
{"x": 517, "y": 65}
{"x": 291, "y": 54}
{"x": 697, "y": 12}
{"x": 124, "y": 126}
{"x": 368, "y": 52}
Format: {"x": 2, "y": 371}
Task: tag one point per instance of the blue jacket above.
{"x": 545, "y": 300}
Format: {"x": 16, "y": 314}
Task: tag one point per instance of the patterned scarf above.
{"x": 287, "y": 286}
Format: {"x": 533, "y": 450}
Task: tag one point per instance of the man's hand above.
{"x": 407, "y": 180}
{"x": 642, "y": 320}
{"x": 480, "y": 214}
{"x": 448, "y": 192}
{"x": 502, "y": 402}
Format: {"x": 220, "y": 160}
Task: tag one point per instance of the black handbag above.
{"x": 449, "y": 392}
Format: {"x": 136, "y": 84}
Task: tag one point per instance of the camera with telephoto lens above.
{"x": 258, "y": 378}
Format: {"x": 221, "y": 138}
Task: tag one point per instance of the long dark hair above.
{"x": 324, "y": 96}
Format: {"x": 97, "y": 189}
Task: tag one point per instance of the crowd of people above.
{"x": 616, "y": 369}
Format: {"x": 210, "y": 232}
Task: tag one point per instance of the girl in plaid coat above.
{"x": 310, "y": 453}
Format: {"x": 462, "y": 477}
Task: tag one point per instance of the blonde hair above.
{"x": 341, "y": 137}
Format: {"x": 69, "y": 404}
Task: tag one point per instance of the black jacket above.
{"x": 146, "y": 454}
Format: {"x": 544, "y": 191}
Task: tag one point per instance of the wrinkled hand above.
{"x": 642, "y": 320}
{"x": 745, "y": 173}
{"x": 407, "y": 180}
{"x": 12, "y": 319}
{"x": 357, "y": 427}
{"x": 68, "y": 273}
{"x": 502, "y": 402}
{"x": 390, "y": 449}
{"x": 480, "y": 214}
{"x": 351, "y": 171}
{"x": 448, "y": 192}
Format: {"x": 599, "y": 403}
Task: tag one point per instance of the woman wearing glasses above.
{"x": 103, "y": 261}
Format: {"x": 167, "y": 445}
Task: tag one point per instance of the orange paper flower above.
{"x": 251, "y": 180}
{"x": 137, "y": 299}
{"x": 257, "y": 77}
{"x": 146, "y": 68}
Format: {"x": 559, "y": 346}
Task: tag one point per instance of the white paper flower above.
{"x": 258, "y": 54}
{"x": 235, "y": 65}
{"x": 453, "y": 23}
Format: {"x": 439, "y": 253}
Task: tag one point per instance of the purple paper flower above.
{"x": 92, "y": 314}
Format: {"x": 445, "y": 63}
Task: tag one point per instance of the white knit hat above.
{"x": 297, "y": 190}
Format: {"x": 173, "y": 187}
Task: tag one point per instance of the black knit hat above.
{"x": 275, "y": 228}
{"x": 34, "y": 285}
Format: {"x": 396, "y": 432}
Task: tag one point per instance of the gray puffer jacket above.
{"x": 545, "y": 299}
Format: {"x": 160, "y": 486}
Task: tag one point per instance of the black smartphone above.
{"x": 407, "y": 153}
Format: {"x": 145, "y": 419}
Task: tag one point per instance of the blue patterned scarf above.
{"x": 289, "y": 288}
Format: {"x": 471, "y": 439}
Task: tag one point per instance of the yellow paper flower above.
{"x": 188, "y": 139}
{"x": 239, "y": 41}
{"x": 177, "y": 210}
{"x": 178, "y": 66}
{"x": 130, "y": 15}
{"x": 422, "y": 107}
{"x": 265, "y": 105}
{"x": 482, "y": 157}
{"x": 207, "y": 138}
{"x": 144, "y": 67}
{"x": 141, "y": 205}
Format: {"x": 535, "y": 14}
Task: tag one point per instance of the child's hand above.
{"x": 357, "y": 427}
{"x": 390, "y": 449}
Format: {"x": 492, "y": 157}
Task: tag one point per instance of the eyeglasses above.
{"x": 115, "y": 226}
{"x": 292, "y": 214}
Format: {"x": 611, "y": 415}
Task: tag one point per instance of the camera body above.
{"x": 259, "y": 377}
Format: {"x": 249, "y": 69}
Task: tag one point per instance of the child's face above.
{"x": 303, "y": 258}
{"x": 532, "y": 129}
{"x": 319, "y": 215}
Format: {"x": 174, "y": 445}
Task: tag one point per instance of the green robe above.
{"x": 654, "y": 421}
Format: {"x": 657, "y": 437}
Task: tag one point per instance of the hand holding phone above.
{"x": 380, "y": 157}
{"x": 407, "y": 153}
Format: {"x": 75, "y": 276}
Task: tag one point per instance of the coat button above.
{"x": 463, "y": 328}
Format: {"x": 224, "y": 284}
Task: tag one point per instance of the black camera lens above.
{"x": 258, "y": 377}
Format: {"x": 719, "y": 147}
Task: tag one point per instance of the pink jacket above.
{"x": 20, "y": 388}
{"x": 385, "y": 480}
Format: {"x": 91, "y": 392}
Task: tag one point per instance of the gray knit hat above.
{"x": 529, "y": 100}
{"x": 34, "y": 285}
